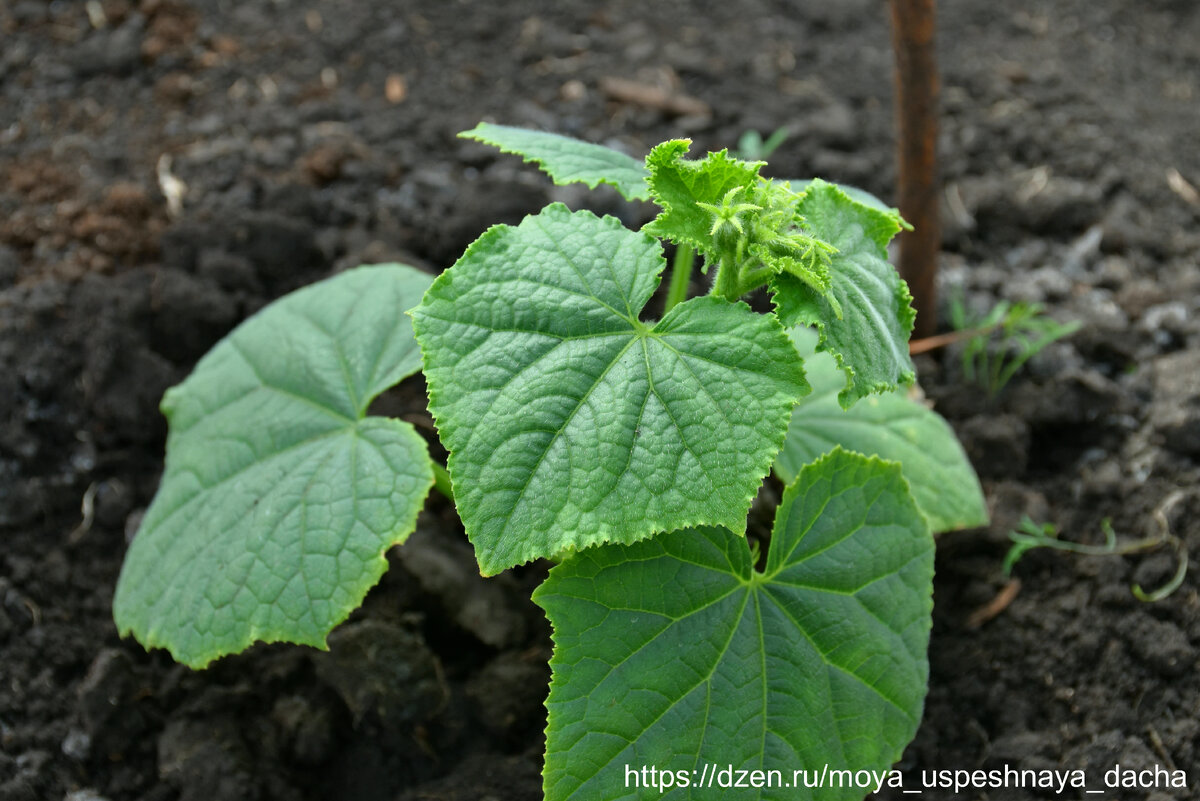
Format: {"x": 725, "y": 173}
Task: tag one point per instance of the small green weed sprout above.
{"x": 1002, "y": 341}
{"x": 1030, "y": 536}
{"x": 752, "y": 147}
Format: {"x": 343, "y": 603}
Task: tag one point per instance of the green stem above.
{"x": 681, "y": 276}
{"x": 725, "y": 285}
{"x": 441, "y": 481}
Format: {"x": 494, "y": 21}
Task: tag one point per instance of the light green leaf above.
{"x": 679, "y": 185}
{"x": 812, "y": 267}
{"x": 719, "y": 206}
{"x": 568, "y": 160}
{"x": 868, "y": 330}
{"x": 891, "y": 426}
{"x": 280, "y": 496}
{"x": 677, "y": 653}
{"x": 568, "y": 420}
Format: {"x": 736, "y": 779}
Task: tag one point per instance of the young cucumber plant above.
{"x": 626, "y": 449}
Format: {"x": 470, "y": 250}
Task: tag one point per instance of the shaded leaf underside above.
{"x": 891, "y": 426}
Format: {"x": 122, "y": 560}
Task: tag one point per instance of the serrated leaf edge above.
{"x": 893, "y": 472}
{"x": 436, "y": 408}
{"x": 404, "y": 527}
{"x": 672, "y": 152}
{"x": 907, "y": 317}
{"x": 479, "y": 134}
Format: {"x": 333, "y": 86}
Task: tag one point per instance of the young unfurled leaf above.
{"x": 868, "y": 330}
{"x": 677, "y": 653}
{"x": 572, "y": 423}
{"x": 891, "y": 426}
{"x": 568, "y": 160}
{"x": 689, "y": 190}
{"x": 280, "y": 495}
{"x": 751, "y": 226}
{"x": 778, "y": 240}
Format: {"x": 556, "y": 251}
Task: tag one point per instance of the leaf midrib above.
{"x": 760, "y": 590}
{"x": 639, "y": 332}
{"x": 512, "y": 510}
{"x": 707, "y": 679}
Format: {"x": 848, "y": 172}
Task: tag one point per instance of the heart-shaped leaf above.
{"x": 569, "y": 421}
{"x": 280, "y": 495}
{"x": 676, "y": 653}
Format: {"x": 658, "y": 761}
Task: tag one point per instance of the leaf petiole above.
{"x": 681, "y": 276}
{"x": 441, "y": 481}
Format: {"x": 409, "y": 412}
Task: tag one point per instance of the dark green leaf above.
{"x": 677, "y": 653}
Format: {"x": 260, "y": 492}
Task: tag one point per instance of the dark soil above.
{"x": 314, "y": 136}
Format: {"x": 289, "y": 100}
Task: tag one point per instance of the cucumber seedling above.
{"x": 626, "y": 449}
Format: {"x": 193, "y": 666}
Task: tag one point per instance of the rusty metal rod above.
{"x": 917, "y": 85}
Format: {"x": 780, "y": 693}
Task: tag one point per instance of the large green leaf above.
{"x": 568, "y": 420}
{"x": 280, "y": 496}
{"x": 568, "y": 160}
{"x": 867, "y": 328}
{"x": 676, "y": 653}
{"x": 892, "y": 426}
